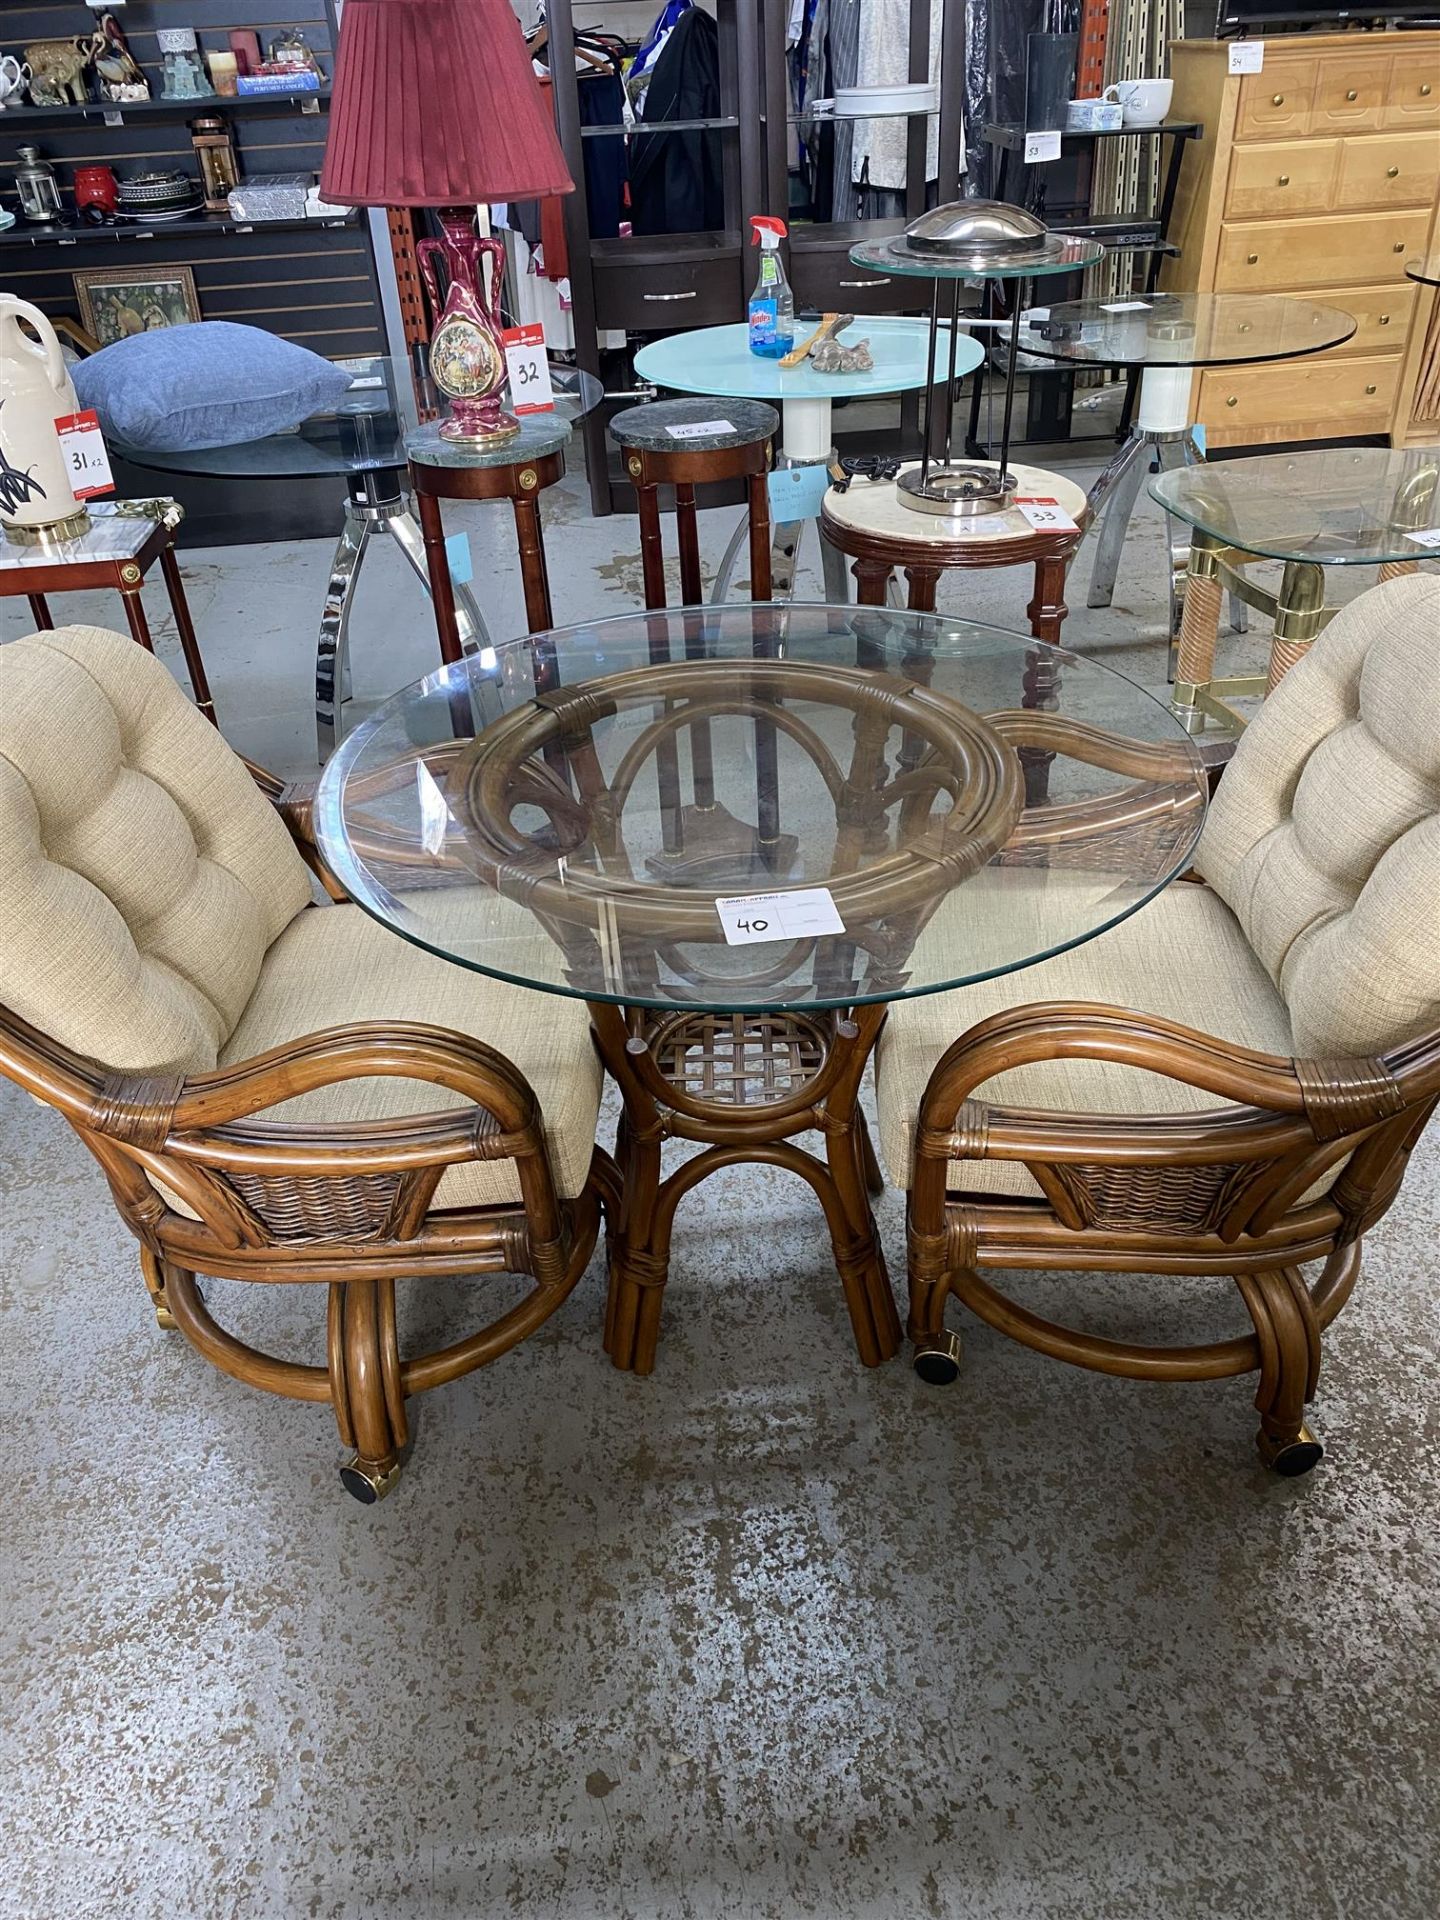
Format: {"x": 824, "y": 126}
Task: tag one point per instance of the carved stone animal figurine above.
{"x": 57, "y": 71}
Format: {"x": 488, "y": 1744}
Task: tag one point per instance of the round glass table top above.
{"x": 1339, "y": 506}
{"x": 1427, "y": 272}
{"x": 364, "y": 433}
{"x": 894, "y": 256}
{"x": 751, "y": 807}
{"x": 718, "y": 360}
{"x": 1185, "y": 330}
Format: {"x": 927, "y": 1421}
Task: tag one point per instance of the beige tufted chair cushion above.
{"x": 142, "y": 873}
{"x": 1324, "y": 836}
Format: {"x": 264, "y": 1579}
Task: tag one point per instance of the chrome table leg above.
{"x": 332, "y": 653}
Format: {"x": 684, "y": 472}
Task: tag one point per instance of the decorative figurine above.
{"x": 183, "y": 71}
{"x": 292, "y": 49}
{"x": 833, "y": 356}
{"x": 119, "y": 77}
{"x": 57, "y": 72}
{"x": 14, "y": 78}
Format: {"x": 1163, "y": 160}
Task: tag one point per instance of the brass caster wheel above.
{"x": 937, "y": 1358}
{"x": 1291, "y": 1457}
{"x": 164, "y": 1319}
{"x": 366, "y": 1483}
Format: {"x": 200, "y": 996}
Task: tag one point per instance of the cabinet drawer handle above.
{"x": 1425, "y": 90}
{"x": 870, "y": 280}
{"x": 1251, "y": 259}
{"x": 1401, "y": 246}
{"x": 1352, "y": 95}
{"x": 1284, "y": 180}
{"x": 693, "y": 294}
{"x": 1370, "y": 389}
{"x": 1277, "y": 99}
{"x": 1392, "y": 173}
{"x": 1233, "y": 401}
{"x": 1384, "y": 320}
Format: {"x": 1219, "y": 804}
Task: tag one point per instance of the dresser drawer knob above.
{"x": 1384, "y": 320}
{"x": 1284, "y": 180}
{"x": 1352, "y": 94}
{"x": 1392, "y": 173}
{"x": 1370, "y": 389}
{"x": 1425, "y": 90}
{"x": 1401, "y": 246}
{"x": 1233, "y": 401}
{"x": 1277, "y": 99}
{"x": 1251, "y": 259}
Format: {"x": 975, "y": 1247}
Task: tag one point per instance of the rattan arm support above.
{"x": 294, "y": 801}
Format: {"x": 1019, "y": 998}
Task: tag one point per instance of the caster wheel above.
{"x": 937, "y": 1359}
{"x": 164, "y": 1319}
{"x": 1291, "y": 1457}
{"x": 366, "y": 1483}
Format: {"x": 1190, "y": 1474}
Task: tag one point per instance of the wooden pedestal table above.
{"x": 1337, "y": 507}
{"x": 124, "y": 540}
{"x": 517, "y": 470}
{"x": 734, "y": 1007}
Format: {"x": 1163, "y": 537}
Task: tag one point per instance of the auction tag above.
{"x": 1125, "y": 306}
{"x": 1042, "y": 146}
{"x": 529, "y": 370}
{"x": 1426, "y": 537}
{"x": 1247, "y": 56}
{"x": 1045, "y": 514}
{"x": 700, "y": 429}
{"x": 86, "y": 460}
{"x": 798, "y": 493}
{"x": 749, "y": 917}
{"x": 457, "y": 558}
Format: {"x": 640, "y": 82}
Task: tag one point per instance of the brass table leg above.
{"x": 1199, "y": 631}
{"x": 1299, "y": 616}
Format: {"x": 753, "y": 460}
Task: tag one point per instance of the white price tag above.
{"x": 86, "y": 461}
{"x": 1045, "y": 514}
{"x": 700, "y": 429}
{"x": 1427, "y": 537}
{"x": 1125, "y": 306}
{"x": 746, "y": 918}
{"x": 1042, "y": 146}
{"x": 528, "y": 370}
{"x": 1247, "y": 56}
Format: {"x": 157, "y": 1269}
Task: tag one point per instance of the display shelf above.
{"x": 305, "y": 99}
{"x": 217, "y": 223}
{"x": 1009, "y": 135}
{"x": 610, "y": 130}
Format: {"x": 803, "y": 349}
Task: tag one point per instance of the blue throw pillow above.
{"x": 210, "y": 384}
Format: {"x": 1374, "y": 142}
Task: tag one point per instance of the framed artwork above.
{"x": 117, "y": 301}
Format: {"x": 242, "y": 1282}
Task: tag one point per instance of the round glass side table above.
{"x": 1426, "y": 270}
{"x": 1168, "y": 336}
{"x": 550, "y": 835}
{"x": 1335, "y": 507}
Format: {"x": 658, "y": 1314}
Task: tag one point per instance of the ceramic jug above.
{"x": 35, "y": 391}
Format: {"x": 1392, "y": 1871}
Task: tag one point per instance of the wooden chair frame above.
{"x": 1219, "y": 1192}
{"x": 347, "y": 1207}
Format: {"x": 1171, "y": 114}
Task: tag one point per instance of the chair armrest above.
{"x": 294, "y": 801}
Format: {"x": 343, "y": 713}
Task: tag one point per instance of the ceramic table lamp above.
{"x": 436, "y": 104}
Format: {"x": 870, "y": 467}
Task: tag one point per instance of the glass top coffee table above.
{"x": 362, "y": 442}
{"x": 864, "y": 839}
{"x": 1336, "y": 507}
{"x": 1167, "y": 336}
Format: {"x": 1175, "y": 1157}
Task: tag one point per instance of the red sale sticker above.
{"x": 86, "y": 461}
{"x": 528, "y": 369}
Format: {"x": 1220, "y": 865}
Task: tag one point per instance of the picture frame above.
{"x": 118, "y": 301}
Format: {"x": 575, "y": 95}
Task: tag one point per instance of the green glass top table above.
{"x": 1334, "y": 507}
{"x": 865, "y": 837}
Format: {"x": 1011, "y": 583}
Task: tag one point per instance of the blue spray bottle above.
{"x": 772, "y": 305}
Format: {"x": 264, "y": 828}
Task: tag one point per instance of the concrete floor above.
{"x": 764, "y": 1635}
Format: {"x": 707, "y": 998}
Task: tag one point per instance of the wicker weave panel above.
{"x": 741, "y": 1059}
{"x": 321, "y": 1206}
{"x": 1160, "y": 1199}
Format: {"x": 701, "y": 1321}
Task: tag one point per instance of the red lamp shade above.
{"x": 436, "y": 104}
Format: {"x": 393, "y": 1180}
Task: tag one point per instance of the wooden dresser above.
{"x": 1318, "y": 175}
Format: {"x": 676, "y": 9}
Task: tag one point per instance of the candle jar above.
{"x": 224, "y": 72}
{"x": 215, "y": 150}
{"x": 36, "y": 185}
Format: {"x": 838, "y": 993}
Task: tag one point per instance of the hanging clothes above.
{"x": 883, "y": 59}
{"x": 676, "y": 180}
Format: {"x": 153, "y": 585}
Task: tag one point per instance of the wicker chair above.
{"x": 1300, "y": 983}
{"x": 262, "y": 1078}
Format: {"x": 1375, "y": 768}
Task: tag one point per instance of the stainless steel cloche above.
{"x": 981, "y": 237}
